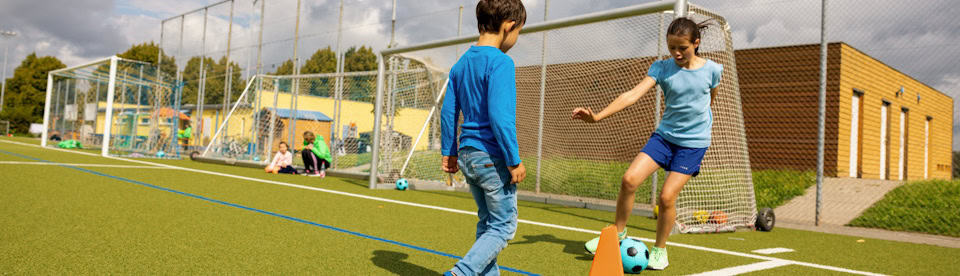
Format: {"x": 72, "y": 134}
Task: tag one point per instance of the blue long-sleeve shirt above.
{"x": 482, "y": 86}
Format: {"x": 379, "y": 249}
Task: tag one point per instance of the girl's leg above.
{"x": 639, "y": 170}
{"x": 668, "y": 206}
{"x": 288, "y": 169}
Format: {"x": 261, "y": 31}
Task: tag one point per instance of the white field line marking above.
{"x": 549, "y": 225}
{"x": 80, "y": 165}
{"x": 775, "y": 250}
{"x": 745, "y": 268}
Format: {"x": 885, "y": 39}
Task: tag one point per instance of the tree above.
{"x": 147, "y": 52}
{"x": 286, "y": 68}
{"x": 359, "y": 59}
{"x": 26, "y": 91}
{"x": 360, "y": 88}
{"x": 216, "y": 79}
{"x": 322, "y": 61}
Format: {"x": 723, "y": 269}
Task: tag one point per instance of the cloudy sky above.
{"x": 917, "y": 38}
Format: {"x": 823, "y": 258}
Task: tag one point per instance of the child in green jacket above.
{"x": 316, "y": 155}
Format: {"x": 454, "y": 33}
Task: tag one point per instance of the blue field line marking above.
{"x": 262, "y": 211}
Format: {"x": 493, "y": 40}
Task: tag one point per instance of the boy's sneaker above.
{"x": 323, "y": 174}
{"x": 658, "y": 258}
{"x": 591, "y": 245}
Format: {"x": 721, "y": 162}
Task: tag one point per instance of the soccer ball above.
{"x": 718, "y": 217}
{"x": 634, "y": 255}
{"x": 701, "y": 216}
{"x": 402, "y": 184}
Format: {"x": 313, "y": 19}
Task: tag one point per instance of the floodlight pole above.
{"x": 543, "y": 89}
{"x": 822, "y": 110}
{"x": 6, "y": 49}
{"x": 338, "y": 94}
{"x": 393, "y": 25}
{"x": 228, "y": 79}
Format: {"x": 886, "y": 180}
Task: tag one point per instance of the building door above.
{"x": 884, "y": 137}
{"x": 903, "y": 145}
{"x": 855, "y": 135}
{"x": 926, "y": 147}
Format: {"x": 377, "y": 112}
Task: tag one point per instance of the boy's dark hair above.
{"x": 308, "y": 135}
{"x": 492, "y": 13}
{"x": 684, "y": 26}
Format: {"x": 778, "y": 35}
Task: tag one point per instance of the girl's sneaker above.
{"x": 658, "y": 258}
{"x": 591, "y": 246}
{"x": 316, "y": 174}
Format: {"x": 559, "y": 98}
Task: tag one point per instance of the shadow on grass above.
{"x": 570, "y": 247}
{"x": 395, "y": 262}
{"x": 549, "y": 208}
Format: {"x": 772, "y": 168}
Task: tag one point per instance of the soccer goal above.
{"x": 122, "y": 107}
{"x": 581, "y": 61}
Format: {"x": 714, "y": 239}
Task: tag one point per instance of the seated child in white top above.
{"x": 282, "y": 161}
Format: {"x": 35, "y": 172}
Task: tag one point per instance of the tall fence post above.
{"x": 822, "y": 107}
{"x": 543, "y": 88}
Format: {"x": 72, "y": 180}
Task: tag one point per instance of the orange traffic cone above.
{"x": 607, "y": 260}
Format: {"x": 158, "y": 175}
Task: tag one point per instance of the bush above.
{"x": 775, "y": 187}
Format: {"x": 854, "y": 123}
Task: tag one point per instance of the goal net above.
{"x": 583, "y": 61}
{"x": 122, "y": 107}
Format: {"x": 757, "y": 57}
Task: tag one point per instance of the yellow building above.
{"x": 880, "y": 122}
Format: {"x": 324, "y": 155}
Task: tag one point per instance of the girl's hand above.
{"x": 585, "y": 114}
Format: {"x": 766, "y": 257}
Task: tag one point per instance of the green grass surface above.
{"x": 923, "y": 206}
{"x": 773, "y": 188}
{"x": 58, "y": 220}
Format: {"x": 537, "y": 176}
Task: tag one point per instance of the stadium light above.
{"x": 3, "y": 86}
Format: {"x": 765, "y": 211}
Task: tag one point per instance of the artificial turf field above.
{"x": 93, "y": 215}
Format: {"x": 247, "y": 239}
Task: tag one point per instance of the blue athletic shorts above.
{"x": 674, "y": 158}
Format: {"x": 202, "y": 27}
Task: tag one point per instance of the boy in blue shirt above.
{"x": 483, "y": 86}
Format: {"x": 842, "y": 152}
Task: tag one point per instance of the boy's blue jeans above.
{"x": 496, "y": 198}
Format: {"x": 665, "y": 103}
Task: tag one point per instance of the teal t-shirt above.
{"x": 687, "y": 119}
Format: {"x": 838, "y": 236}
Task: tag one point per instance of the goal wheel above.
{"x": 194, "y": 155}
{"x": 765, "y": 219}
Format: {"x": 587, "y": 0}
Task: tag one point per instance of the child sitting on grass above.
{"x": 282, "y": 161}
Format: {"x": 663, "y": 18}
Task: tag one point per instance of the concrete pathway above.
{"x": 844, "y": 199}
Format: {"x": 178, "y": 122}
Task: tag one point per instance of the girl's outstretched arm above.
{"x": 623, "y": 101}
